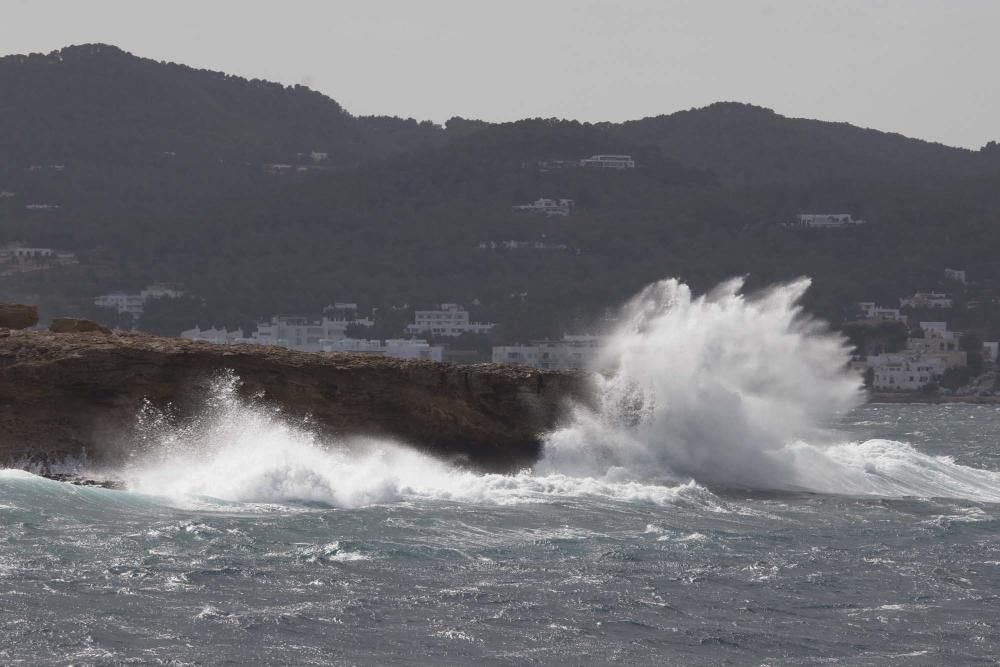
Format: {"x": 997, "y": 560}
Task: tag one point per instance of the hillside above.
{"x": 124, "y": 129}
{"x": 408, "y": 230}
{"x": 164, "y": 177}
{"x": 745, "y": 144}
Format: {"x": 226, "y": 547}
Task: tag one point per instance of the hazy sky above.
{"x": 923, "y": 68}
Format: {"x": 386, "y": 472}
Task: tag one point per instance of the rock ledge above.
{"x": 80, "y": 393}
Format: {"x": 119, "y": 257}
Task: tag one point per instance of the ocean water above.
{"x": 729, "y": 502}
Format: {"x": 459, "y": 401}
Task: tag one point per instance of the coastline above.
{"x": 78, "y": 394}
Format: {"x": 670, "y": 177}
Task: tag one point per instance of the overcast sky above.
{"x": 927, "y": 69}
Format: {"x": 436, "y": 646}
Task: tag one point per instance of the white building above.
{"x": 923, "y": 361}
{"x": 345, "y": 312}
{"x": 161, "y": 291}
{"x": 135, "y": 304}
{"x": 522, "y": 245}
{"x": 824, "y": 220}
{"x": 319, "y": 156}
{"x": 926, "y": 300}
{"x": 956, "y": 274}
{"x": 549, "y": 207}
{"x": 991, "y": 349}
{"x": 450, "y": 320}
{"x": 213, "y": 335}
{"x": 31, "y": 253}
{"x": 301, "y": 333}
{"x": 939, "y": 330}
{"x": 897, "y": 372}
{"x": 871, "y": 311}
{"x": 395, "y": 348}
{"x": 939, "y": 343}
{"x": 121, "y": 302}
{"x": 609, "y": 162}
{"x": 572, "y": 352}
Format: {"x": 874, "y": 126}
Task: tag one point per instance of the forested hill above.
{"x": 134, "y": 131}
{"x": 745, "y": 144}
{"x": 96, "y": 102}
{"x": 159, "y": 172}
{"x": 95, "y": 126}
{"x": 435, "y": 226}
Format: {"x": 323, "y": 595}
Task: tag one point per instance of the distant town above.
{"x": 897, "y": 350}
{"x": 908, "y": 346}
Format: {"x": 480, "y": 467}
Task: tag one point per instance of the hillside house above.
{"x": 32, "y": 253}
{"x": 956, "y": 275}
{"x": 572, "y": 352}
{"x": 609, "y": 162}
{"x": 135, "y": 304}
{"x": 161, "y": 291}
{"x": 302, "y": 333}
{"x": 824, "y": 221}
{"x": 449, "y": 320}
{"x": 122, "y": 302}
{"x": 871, "y": 311}
{"x": 894, "y": 372}
{"x": 522, "y": 245}
{"x": 548, "y": 207}
{"x": 926, "y": 300}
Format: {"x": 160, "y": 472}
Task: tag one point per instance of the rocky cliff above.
{"x": 70, "y": 393}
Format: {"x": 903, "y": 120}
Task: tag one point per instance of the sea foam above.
{"x": 723, "y": 391}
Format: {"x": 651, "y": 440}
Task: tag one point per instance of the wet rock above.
{"x": 80, "y": 394}
{"x": 65, "y": 325}
{"x": 78, "y": 480}
{"x": 18, "y": 316}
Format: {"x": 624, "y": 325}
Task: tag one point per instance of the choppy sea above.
{"x": 315, "y": 559}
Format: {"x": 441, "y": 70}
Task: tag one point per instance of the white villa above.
{"x": 609, "y": 162}
{"x": 956, "y": 274}
{"x": 926, "y": 300}
{"x": 522, "y": 245}
{"x": 121, "y": 302}
{"x": 898, "y": 372}
{"x": 301, "y": 333}
{"x": 31, "y": 253}
{"x": 550, "y": 207}
{"x": 923, "y": 361}
{"x": 161, "y": 291}
{"x": 871, "y": 311}
{"x": 824, "y": 221}
{"x": 572, "y": 352}
{"x": 936, "y": 338}
{"x": 135, "y": 304}
{"x": 450, "y": 320}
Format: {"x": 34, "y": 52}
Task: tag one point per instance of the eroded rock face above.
{"x": 18, "y": 316}
{"x": 73, "y": 325}
{"x": 74, "y": 393}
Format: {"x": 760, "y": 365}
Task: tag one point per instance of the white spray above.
{"x": 723, "y": 389}
{"x": 712, "y": 387}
